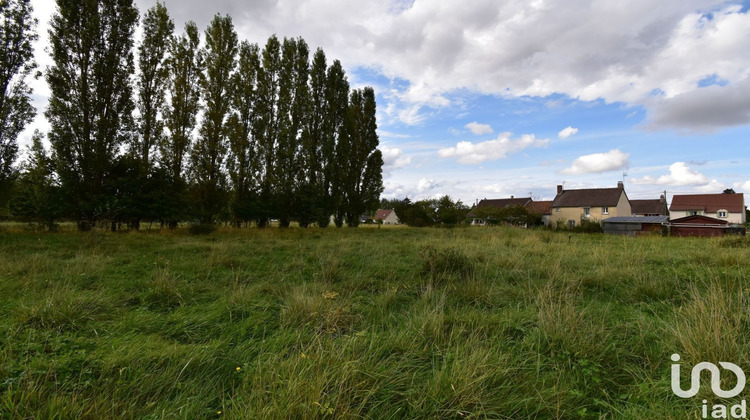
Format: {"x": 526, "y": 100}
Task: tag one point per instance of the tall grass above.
{"x": 362, "y": 323}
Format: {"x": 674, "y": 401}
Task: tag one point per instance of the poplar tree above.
{"x": 361, "y": 162}
{"x": 145, "y": 185}
{"x": 207, "y": 158}
{"x": 242, "y": 159}
{"x": 292, "y": 112}
{"x": 17, "y": 33}
{"x": 152, "y": 82}
{"x": 312, "y": 193}
{"x": 266, "y": 128}
{"x": 184, "y": 67}
{"x": 90, "y": 107}
{"x": 335, "y": 131}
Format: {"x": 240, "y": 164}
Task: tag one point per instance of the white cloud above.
{"x": 598, "y": 162}
{"x": 713, "y": 186}
{"x": 425, "y": 184}
{"x": 393, "y": 158}
{"x": 680, "y": 174}
{"x": 743, "y": 186}
{"x": 567, "y": 132}
{"x": 434, "y": 49}
{"x": 479, "y": 129}
{"x": 473, "y": 153}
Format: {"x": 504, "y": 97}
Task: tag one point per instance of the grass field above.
{"x": 363, "y": 323}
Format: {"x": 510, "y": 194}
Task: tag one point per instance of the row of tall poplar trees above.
{"x": 202, "y": 131}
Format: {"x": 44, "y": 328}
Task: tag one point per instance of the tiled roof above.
{"x": 540, "y": 207}
{"x": 649, "y": 207}
{"x": 592, "y": 197}
{"x": 382, "y": 214}
{"x": 710, "y": 203}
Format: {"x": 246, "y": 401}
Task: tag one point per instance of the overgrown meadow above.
{"x": 363, "y": 323}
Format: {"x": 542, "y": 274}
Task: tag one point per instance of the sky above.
{"x": 500, "y": 98}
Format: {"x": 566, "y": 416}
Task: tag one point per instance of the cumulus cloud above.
{"x": 567, "y": 132}
{"x": 743, "y": 186}
{"x": 425, "y": 184}
{"x": 393, "y": 158}
{"x": 680, "y": 174}
{"x": 510, "y": 48}
{"x": 473, "y": 153}
{"x": 598, "y": 162}
{"x": 479, "y": 129}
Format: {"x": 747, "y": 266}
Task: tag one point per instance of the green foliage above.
{"x": 512, "y": 215}
{"x": 90, "y": 107}
{"x": 208, "y": 154}
{"x": 17, "y": 34}
{"x": 279, "y": 137}
{"x": 152, "y": 83}
{"x": 360, "y": 167}
{"x": 443, "y": 211}
{"x": 37, "y": 197}
{"x": 184, "y": 66}
{"x": 241, "y": 163}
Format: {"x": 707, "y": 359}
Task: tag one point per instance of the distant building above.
{"x": 572, "y": 207}
{"x": 388, "y": 217}
{"x": 657, "y": 207}
{"x": 726, "y": 207}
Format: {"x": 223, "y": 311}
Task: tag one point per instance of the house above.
{"x": 699, "y": 225}
{"x": 657, "y": 207}
{"x": 541, "y": 208}
{"x": 726, "y": 207}
{"x": 497, "y": 203}
{"x": 386, "y": 217}
{"x": 635, "y": 225}
{"x": 572, "y": 207}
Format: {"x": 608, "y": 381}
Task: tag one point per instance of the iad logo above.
{"x": 695, "y": 379}
{"x": 717, "y": 411}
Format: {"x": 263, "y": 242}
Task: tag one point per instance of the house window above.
{"x": 557, "y": 209}
{"x": 692, "y": 213}
{"x": 572, "y": 223}
{"x": 586, "y": 211}
{"x": 605, "y": 210}
{"x": 722, "y": 213}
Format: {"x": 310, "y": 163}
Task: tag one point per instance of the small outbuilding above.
{"x": 698, "y": 225}
{"x": 635, "y": 225}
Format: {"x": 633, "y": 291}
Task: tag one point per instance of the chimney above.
{"x": 511, "y": 197}
{"x": 662, "y": 199}
{"x": 559, "y": 189}
{"x": 620, "y": 185}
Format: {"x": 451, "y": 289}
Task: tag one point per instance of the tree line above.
{"x": 444, "y": 211}
{"x": 187, "y": 129}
